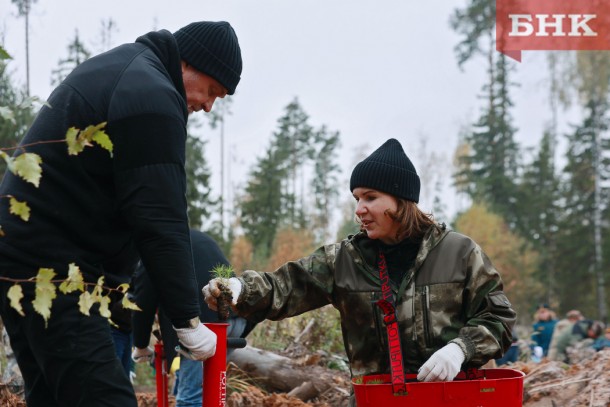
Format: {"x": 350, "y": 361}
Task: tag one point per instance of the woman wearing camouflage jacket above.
{"x": 450, "y": 307}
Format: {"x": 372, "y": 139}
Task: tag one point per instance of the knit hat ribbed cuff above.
{"x": 389, "y": 170}
{"x": 212, "y": 48}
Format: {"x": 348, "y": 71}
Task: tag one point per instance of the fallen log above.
{"x": 282, "y": 374}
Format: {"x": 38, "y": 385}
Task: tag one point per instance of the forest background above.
{"x": 514, "y": 155}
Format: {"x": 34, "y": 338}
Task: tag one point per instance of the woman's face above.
{"x": 371, "y": 206}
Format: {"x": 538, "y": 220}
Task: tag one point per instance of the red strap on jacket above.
{"x": 389, "y": 311}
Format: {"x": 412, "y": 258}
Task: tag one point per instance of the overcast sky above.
{"x": 371, "y": 70}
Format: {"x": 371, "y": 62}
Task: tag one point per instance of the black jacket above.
{"x": 100, "y": 211}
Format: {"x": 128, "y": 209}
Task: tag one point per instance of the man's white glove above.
{"x": 199, "y": 341}
{"x": 443, "y": 365}
{"x": 211, "y": 292}
{"x": 141, "y": 355}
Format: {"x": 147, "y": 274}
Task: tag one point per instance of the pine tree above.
{"x": 24, "y": 7}
{"x": 17, "y": 113}
{"x": 325, "y": 181}
{"x": 261, "y": 208}
{"x": 77, "y": 54}
{"x": 489, "y": 165}
{"x": 294, "y": 145}
{"x": 538, "y": 197}
{"x": 198, "y": 190}
{"x": 576, "y": 262}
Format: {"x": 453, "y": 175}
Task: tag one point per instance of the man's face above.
{"x": 201, "y": 89}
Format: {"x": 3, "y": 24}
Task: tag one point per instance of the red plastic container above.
{"x": 490, "y": 388}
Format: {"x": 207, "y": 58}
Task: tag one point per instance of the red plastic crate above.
{"x": 490, "y": 388}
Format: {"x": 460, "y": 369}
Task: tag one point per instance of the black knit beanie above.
{"x": 212, "y": 48}
{"x": 388, "y": 170}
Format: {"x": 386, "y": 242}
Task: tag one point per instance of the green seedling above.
{"x": 223, "y": 272}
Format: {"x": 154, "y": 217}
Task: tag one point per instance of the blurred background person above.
{"x": 561, "y": 326}
{"x": 544, "y": 324}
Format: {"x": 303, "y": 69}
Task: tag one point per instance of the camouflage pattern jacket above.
{"x": 451, "y": 294}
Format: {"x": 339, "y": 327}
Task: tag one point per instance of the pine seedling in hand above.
{"x": 223, "y": 272}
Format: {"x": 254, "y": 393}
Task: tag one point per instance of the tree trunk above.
{"x": 282, "y": 374}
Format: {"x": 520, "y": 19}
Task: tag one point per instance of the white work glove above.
{"x": 443, "y": 365}
{"x": 200, "y": 342}
{"x": 142, "y": 355}
{"x": 211, "y": 292}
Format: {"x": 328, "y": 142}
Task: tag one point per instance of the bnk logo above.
{"x": 551, "y": 25}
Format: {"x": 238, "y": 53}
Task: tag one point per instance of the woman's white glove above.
{"x": 211, "y": 292}
{"x": 199, "y": 341}
{"x": 141, "y": 355}
{"x": 443, "y": 365}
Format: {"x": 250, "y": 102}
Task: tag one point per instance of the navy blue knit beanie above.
{"x": 212, "y": 48}
{"x": 388, "y": 170}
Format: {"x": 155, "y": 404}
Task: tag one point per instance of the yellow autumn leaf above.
{"x": 123, "y": 288}
{"x": 105, "y": 306}
{"x": 74, "y": 281}
{"x": 98, "y": 289}
{"x": 45, "y": 293}
{"x": 75, "y": 144}
{"x": 103, "y": 140}
{"x": 128, "y": 304}
{"x": 20, "y": 209}
{"x": 15, "y": 294}
{"x": 85, "y": 302}
{"x": 90, "y": 131}
{"x": 27, "y": 166}
{"x": 7, "y": 158}
{"x": 77, "y": 139}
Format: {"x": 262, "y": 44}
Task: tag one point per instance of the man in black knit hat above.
{"x": 104, "y": 212}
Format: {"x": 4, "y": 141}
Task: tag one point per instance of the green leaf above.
{"x": 75, "y": 144}
{"x": 77, "y": 139}
{"x": 20, "y": 209}
{"x": 27, "y": 166}
{"x": 103, "y": 140}
{"x": 7, "y": 158}
{"x": 45, "y": 293}
{"x": 74, "y": 281}
{"x": 15, "y": 294}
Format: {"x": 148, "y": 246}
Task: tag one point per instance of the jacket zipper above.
{"x": 426, "y": 310}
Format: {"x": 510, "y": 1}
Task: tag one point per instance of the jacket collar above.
{"x": 165, "y": 47}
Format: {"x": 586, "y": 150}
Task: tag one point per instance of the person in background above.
{"x": 206, "y": 256}
{"x": 95, "y": 207}
{"x": 582, "y": 330}
{"x": 562, "y": 326}
{"x": 120, "y": 330}
{"x": 450, "y": 308}
{"x": 603, "y": 342}
{"x": 544, "y": 324}
{"x": 512, "y": 354}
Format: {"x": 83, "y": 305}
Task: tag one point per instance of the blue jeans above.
{"x": 190, "y": 374}
{"x": 122, "y": 345}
